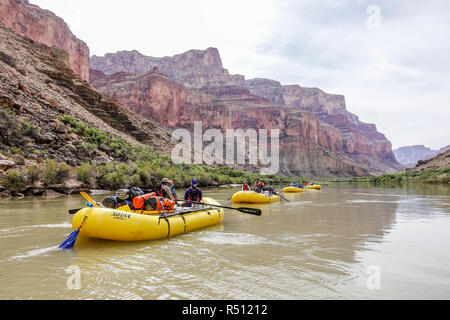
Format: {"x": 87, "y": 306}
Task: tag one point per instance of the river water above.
{"x": 348, "y": 241}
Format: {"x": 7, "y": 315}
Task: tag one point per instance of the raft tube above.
{"x": 292, "y": 190}
{"x": 316, "y": 187}
{"x": 119, "y": 225}
{"x": 254, "y": 197}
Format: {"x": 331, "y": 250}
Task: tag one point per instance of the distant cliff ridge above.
{"x": 410, "y": 155}
{"x": 319, "y": 137}
{"x": 43, "y": 26}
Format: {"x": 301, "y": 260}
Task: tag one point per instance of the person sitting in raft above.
{"x": 300, "y": 185}
{"x": 172, "y": 189}
{"x": 245, "y": 187}
{"x": 194, "y": 193}
{"x": 260, "y": 186}
{"x": 163, "y": 190}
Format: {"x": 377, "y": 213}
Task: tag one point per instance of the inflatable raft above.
{"x": 292, "y": 190}
{"x": 121, "y": 225}
{"x": 254, "y": 197}
{"x": 315, "y": 187}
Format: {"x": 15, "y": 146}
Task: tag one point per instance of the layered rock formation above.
{"x": 438, "y": 162}
{"x": 409, "y": 156}
{"x": 43, "y": 26}
{"x": 36, "y": 88}
{"x": 195, "y": 68}
{"x": 319, "y": 137}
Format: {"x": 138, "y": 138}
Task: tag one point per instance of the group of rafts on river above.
{"x": 135, "y": 214}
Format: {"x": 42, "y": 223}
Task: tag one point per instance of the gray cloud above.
{"x": 396, "y": 75}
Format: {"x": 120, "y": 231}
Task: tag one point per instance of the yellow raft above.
{"x": 118, "y": 225}
{"x": 315, "y": 187}
{"x": 292, "y": 190}
{"x": 254, "y": 197}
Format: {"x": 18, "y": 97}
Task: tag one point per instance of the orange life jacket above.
{"x": 140, "y": 202}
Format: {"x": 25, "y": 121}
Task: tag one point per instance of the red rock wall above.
{"x": 44, "y": 26}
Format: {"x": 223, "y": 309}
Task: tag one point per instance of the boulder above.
{"x": 6, "y": 164}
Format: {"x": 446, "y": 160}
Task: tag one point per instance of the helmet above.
{"x": 165, "y": 180}
{"x": 194, "y": 181}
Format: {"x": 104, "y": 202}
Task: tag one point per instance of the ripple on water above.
{"x": 238, "y": 239}
{"x": 40, "y": 226}
{"x": 33, "y": 253}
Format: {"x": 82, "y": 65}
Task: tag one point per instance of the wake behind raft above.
{"x": 123, "y": 224}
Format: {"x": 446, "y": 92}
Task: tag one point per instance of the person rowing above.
{"x": 193, "y": 194}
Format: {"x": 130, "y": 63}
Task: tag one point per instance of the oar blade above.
{"x": 70, "y": 241}
{"x": 255, "y": 212}
{"x": 74, "y": 211}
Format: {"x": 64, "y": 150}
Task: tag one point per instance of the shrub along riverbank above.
{"x": 140, "y": 166}
{"x": 426, "y": 176}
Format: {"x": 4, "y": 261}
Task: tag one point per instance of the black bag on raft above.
{"x": 110, "y": 202}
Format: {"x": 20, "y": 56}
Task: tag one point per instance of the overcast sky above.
{"x": 389, "y": 58}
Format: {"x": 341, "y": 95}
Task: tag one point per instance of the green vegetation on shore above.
{"x": 428, "y": 176}
{"x": 140, "y": 166}
{"x": 144, "y": 167}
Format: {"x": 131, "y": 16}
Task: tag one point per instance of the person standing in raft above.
{"x": 163, "y": 190}
{"x": 245, "y": 187}
{"x": 194, "y": 193}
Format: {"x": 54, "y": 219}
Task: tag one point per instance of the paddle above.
{"x": 252, "y": 211}
{"x": 89, "y": 199}
{"x": 276, "y": 193}
{"x": 70, "y": 241}
{"x": 74, "y": 211}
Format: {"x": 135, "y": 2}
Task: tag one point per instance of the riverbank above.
{"x": 112, "y": 163}
{"x": 425, "y": 176}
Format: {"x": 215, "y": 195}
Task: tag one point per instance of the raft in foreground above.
{"x": 117, "y": 225}
{"x": 254, "y": 197}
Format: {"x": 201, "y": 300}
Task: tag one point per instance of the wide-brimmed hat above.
{"x": 165, "y": 180}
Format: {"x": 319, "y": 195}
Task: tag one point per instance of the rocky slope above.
{"x": 43, "y": 26}
{"x": 409, "y": 156}
{"x": 440, "y": 161}
{"x": 37, "y": 87}
{"x": 319, "y": 137}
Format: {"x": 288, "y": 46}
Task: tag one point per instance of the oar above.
{"x": 276, "y": 193}
{"x": 89, "y": 199}
{"x": 186, "y": 212}
{"x": 70, "y": 241}
{"x": 74, "y": 211}
{"x": 252, "y": 211}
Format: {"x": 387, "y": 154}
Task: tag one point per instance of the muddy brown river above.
{"x": 348, "y": 241}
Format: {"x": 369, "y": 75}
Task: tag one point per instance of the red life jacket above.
{"x": 245, "y": 187}
{"x": 140, "y": 202}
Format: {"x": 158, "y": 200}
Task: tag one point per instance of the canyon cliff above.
{"x": 410, "y": 155}
{"x": 37, "y": 90}
{"x": 43, "y": 26}
{"x": 319, "y": 137}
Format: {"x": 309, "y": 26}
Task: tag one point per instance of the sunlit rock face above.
{"x": 43, "y": 26}
{"x": 319, "y": 137}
